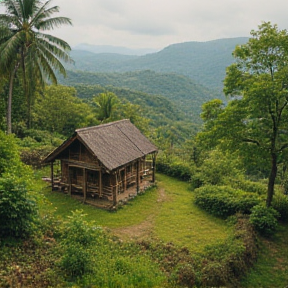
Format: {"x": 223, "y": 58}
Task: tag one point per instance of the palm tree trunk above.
{"x": 272, "y": 178}
{"x": 9, "y": 104}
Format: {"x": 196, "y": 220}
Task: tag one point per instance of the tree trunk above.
{"x": 272, "y": 178}
{"x": 9, "y": 104}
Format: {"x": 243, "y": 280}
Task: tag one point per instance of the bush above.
{"x": 17, "y": 211}
{"x": 217, "y": 169}
{"x": 177, "y": 169}
{"x": 248, "y": 186}
{"x": 225, "y": 263}
{"x": 77, "y": 241}
{"x": 34, "y": 156}
{"x": 264, "y": 219}
{"x": 225, "y": 201}
{"x": 280, "y": 204}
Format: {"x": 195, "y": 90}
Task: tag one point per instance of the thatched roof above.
{"x": 114, "y": 144}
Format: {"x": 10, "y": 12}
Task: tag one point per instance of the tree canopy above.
{"x": 25, "y": 47}
{"x": 255, "y": 120}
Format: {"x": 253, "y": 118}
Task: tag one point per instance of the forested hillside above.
{"x": 204, "y": 62}
{"x": 186, "y": 96}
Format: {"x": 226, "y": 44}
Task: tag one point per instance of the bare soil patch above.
{"x": 144, "y": 229}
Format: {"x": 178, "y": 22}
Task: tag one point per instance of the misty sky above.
{"x": 158, "y": 23}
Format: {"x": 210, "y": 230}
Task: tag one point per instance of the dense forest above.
{"x": 218, "y": 214}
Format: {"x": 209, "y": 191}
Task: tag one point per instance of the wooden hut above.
{"x": 104, "y": 164}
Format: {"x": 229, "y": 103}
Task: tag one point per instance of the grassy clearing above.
{"x": 271, "y": 269}
{"x": 169, "y": 209}
{"x": 131, "y": 214}
{"x": 181, "y": 221}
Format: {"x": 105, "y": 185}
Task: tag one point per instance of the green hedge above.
{"x": 177, "y": 169}
{"x": 225, "y": 201}
{"x": 264, "y": 219}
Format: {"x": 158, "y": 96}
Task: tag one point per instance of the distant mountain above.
{"x": 113, "y": 49}
{"x": 185, "y": 95}
{"x": 204, "y": 62}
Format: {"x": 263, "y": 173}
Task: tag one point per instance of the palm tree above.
{"x": 106, "y": 103}
{"x": 25, "y": 47}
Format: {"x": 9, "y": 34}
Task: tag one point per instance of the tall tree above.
{"x": 24, "y": 46}
{"x": 256, "y": 119}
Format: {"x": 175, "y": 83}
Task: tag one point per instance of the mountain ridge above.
{"x": 204, "y": 62}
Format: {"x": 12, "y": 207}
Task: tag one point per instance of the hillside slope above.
{"x": 186, "y": 96}
{"x": 204, "y": 62}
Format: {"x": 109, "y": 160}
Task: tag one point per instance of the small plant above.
{"x": 264, "y": 219}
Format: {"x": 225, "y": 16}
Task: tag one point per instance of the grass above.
{"x": 169, "y": 209}
{"x": 181, "y": 221}
{"x": 271, "y": 269}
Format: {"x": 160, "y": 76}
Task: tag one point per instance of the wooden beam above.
{"x": 52, "y": 175}
{"x": 69, "y": 182}
{"x": 114, "y": 192}
{"x": 153, "y": 167}
{"x": 84, "y": 184}
{"x": 125, "y": 179}
{"x": 100, "y": 183}
{"x": 137, "y": 176}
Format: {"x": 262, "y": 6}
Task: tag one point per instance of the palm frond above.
{"x": 53, "y": 61}
{"x": 52, "y": 39}
{"x": 53, "y": 22}
{"x": 55, "y": 50}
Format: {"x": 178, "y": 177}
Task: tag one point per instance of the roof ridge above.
{"x": 130, "y": 139}
{"x": 101, "y": 125}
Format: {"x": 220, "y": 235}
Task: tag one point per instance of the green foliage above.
{"x": 77, "y": 241}
{"x": 175, "y": 167}
{"x": 59, "y": 110}
{"x": 225, "y": 201}
{"x": 34, "y": 145}
{"x": 179, "y": 92}
{"x": 17, "y": 210}
{"x": 264, "y": 219}
{"x": 9, "y": 155}
{"x": 204, "y": 62}
{"x": 225, "y": 263}
{"x": 106, "y": 103}
{"x": 217, "y": 168}
{"x": 280, "y": 204}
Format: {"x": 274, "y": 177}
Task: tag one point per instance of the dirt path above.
{"x": 143, "y": 230}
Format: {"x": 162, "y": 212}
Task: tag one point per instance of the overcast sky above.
{"x": 159, "y": 23}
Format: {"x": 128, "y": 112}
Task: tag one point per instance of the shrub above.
{"x": 217, "y": 169}
{"x": 77, "y": 240}
{"x": 177, "y": 169}
{"x": 225, "y": 201}
{"x": 17, "y": 211}
{"x": 248, "y": 186}
{"x": 280, "y": 204}
{"x": 264, "y": 219}
{"x": 9, "y": 153}
{"x": 34, "y": 156}
{"x": 225, "y": 263}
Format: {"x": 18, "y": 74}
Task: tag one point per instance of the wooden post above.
{"x": 153, "y": 167}
{"x": 100, "y": 183}
{"x": 52, "y": 175}
{"x": 114, "y": 192}
{"x": 125, "y": 179}
{"x": 84, "y": 188}
{"x": 69, "y": 182}
{"x": 137, "y": 176}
